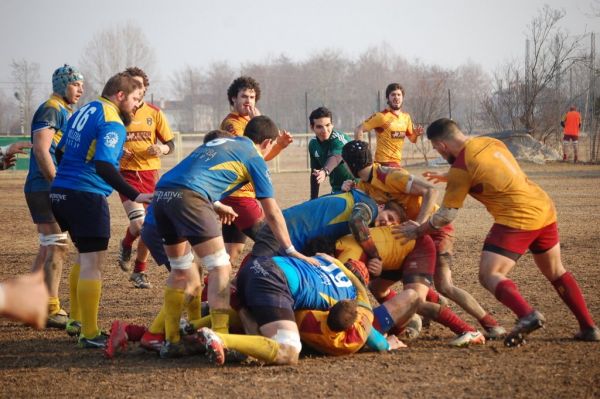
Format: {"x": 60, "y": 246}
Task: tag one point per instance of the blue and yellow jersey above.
{"x": 391, "y": 251}
{"x": 324, "y": 216}
{"x": 52, "y": 114}
{"x": 315, "y": 287}
{"x": 220, "y": 167}
{"x": 94, "y": 133}
{"x": 235, "y": 123}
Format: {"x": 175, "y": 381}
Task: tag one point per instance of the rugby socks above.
{"x": 219, "y": 320}
{"x": 570, "y": 293}
{"x": 75, "y": 313}
{"x": 158, "y": 324}
{"x": 194, "y": 308}
{"x": 88, "y": 293}
{"x": 201, "y": 322}
{"x": 488, "y": 321}
{"x": 134, "y": 332}
{"x": 449, "y": 319}
{"x": 53, "y": 305}
{"x": 508, "y": 293}
{"x": 129, "y": 239}
{"x": 173, "y": 307}
{"x": 140, "y": 266}
{"x": 432, "y": 296}
{"x": 387, "y": 297}
{"x": 262, "y": 348}
{"x": 382, "y": 319}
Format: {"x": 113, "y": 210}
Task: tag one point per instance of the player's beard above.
{"x": 394, "y": 107}
{"x": 126, "y": 117}
{"x": 451, "y": 159}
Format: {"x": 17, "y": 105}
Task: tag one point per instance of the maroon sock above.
{"x": 570, "y": 293}
{"x": 432, "y": 296}
{"x": 488, "y": 321}
{"x": 135, "y": 332}
{"x": 140, "y": 266}
{"x": 508, "y": 293}
{"x": 129, "y": 239}
{"x": 451, "y": 320}
{"x": 389, "y": 296}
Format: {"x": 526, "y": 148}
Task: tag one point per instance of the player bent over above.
{"x": 185, "y": 214}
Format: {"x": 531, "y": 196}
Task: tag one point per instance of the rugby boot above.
{"x": 525, "y": 325}
{"x": 591, "y": 334}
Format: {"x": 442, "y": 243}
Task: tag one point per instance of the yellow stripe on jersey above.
{"x": 111, "y": 112}
{"x": 235, "y": 123}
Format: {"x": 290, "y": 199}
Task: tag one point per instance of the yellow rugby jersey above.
{"x": 391, "y": 130}
{"x": 487, "y": 171}
{"x": 315, "y": 332}
{"x": 391, "y": 251}
{"x": 235, "y": 123}
{"x": 148, "y": 126}
{"x": 392, "y": 184}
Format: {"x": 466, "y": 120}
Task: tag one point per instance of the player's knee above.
{"x": 136, "y": 219}
{"x": 218, "y": 259}
{"x": 59, "y": 240}
{"x": 181, "y": 263}
{"x": 289, "y": 346}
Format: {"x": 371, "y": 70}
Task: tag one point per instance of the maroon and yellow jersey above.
{"x": 487, "y": 171}
{"x": 315, "y": 332}
{"x": 149, "y": 125}
{"x": 391, "y": 130}
{"x": 235, "y": 123}
{"x": 391, "y": 251}
{"x": 388, "y": 184}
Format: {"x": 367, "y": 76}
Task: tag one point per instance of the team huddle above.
{"x": 314, "y": 266}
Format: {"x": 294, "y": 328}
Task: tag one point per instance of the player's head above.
{"x": 243, "y": 94}
{"x": 394, "y": 94}
{"x": 262, "y": 131}
{"x": 67, "y": 82}
{"x": 342, "y": 315}
{"x": 442, "y": 132}
{"x": 216, "y": 134}
{"x": 320, "y": 123}
{"x": 139, "y": 75}
{"x": 572, "y": 108}
{"x": 125, "y": 92}
{"x": 320, "y": 244}
{"x": 390, "y": 213}
{"x": 357, "y": 156}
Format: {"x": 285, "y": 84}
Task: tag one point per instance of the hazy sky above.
{"x": 196, "y": 33}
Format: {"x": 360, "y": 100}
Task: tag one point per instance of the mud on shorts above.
{"x": 143, "y": 181}
{"x": 184, "y": 215}
{"x": 513, "y": 243}
{"x": 262, "y": 288}
{"x": 419, "y": 265}
{"x": 40, "y": 207}
{"x": 84, "y": 215}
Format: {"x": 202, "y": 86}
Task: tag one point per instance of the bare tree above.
{"x": 9, "y": 114}
{"x": 188, "y": 85}
{"x": 25, "y": 74}
{"x": 111, "y": 51}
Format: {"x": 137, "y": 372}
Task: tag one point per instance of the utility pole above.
{"x": 21, "y": 111}
{"x": 449, "y": 105}
{"x": 592, "y": 99}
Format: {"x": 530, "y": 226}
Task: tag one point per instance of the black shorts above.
{"x": 40, "y": 207}
{"x": 184, "y": 215}
{"x": 262, "y": 284}
{"x": 265, "y": 243}
{"x": 233, "y": 235}
{"x": 84, "y": 215}
{"x": 154, "y": 243}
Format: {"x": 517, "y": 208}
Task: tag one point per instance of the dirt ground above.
{"x": 551, "y": 365}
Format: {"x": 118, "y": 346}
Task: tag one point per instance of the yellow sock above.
{"x": 173, "y": 308}
{"x": 262, "y": 348}
{"x": 53, "y": 305}
{"x": 201, "y": 322}
{"x": 73, "y": 280}
{"x": 88, "y": 293}
{"x": 219, "y": 320}
{"x": 158, "y": 324}
{"x": 193, "y": 308}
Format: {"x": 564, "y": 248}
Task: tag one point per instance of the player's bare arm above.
{"x": 42, "y": 140}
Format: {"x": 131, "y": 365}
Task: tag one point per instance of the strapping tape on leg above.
{"x": 218, "y": 259}
{"x": 290, "y": 338}
{"x": 136, "y": 214}
{"x": 182, "y": 262}
{"x": 59, "y": 239}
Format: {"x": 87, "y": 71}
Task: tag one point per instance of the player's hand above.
{"x": 375, "y": 266}
{"x": 8, "y": 161}
{"x": 320, "y": 175}
{"x": 144, "y": 198}
{"x": 26, "y": 299}
{"x": 348, "y": 185}
{"x": 395, "y": 343}
{"x": 155, "y": 149}
{"x": 406, "y": 231}
{"x": 436, "y": 177}
{"x": 18, "y": 147}
{"x": 284, "y": 139}
{"x": 308, "y": 259}
{"x": 418, "y": 130}
{"x": 252, "y": 111}
{"x": 226, "y": 213}
{"x": 127, "y": 155}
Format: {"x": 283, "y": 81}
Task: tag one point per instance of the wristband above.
{"x": 326, "y": 171}
{"x": 290, "y": 250}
